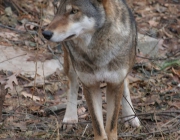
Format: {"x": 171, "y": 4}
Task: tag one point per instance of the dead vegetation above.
{"x": 34, "y": 103}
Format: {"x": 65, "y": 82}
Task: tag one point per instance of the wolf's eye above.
{"x": 74, "y": 11}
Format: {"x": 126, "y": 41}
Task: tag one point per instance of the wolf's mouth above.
{"x": 71, "y": 36}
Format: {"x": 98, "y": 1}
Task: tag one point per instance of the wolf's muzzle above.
{"x": 47, "y": 34}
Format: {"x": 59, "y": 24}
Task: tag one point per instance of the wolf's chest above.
{"x": 102, "y": 76}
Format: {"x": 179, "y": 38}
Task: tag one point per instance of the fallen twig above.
{"x": 13, "y": 29}
{"x": 143, "y": 135}
{"x": 13, "y": 57}
{"x": 58, "y": 108}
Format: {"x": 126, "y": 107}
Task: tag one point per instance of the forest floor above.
{"x": 27, "y": 112}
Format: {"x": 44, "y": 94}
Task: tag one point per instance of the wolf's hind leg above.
{"x": 127, "y": 107}
{"x": 94, "y": 101}
{"x": 114, "y": 96}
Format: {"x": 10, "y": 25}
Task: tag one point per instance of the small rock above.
{"x": 8, "y": 11}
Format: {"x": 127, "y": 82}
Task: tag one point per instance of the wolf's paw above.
{"x": 71, "y": 116}
{"x": 134, "y": 122}
{"x": 69, "y": 122}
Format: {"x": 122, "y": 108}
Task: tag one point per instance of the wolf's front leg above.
{"x": 94, "y": 101}
{"x": 113, "y": 95}
{"x": 71, "y": 109}
{"x": 127, "y": 107}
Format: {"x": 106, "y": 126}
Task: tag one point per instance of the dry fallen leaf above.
{"x": 2, "y": 80}
{"x": 153, "y": 23}
{"x": 35, "y": 107}
{"x": 174, "y": 104}
{"x": 176, "y": 72}
{"x": 27, "y": 95}
{"x": 20, "y": 125}
{"x": 81, "y": 111}
{"x": 12, "y": 79}
{"x": 9, "y": 35}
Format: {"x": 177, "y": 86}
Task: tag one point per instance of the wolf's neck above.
{"x": 83, "y": 41}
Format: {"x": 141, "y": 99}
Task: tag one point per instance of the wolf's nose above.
{"x": 47, "y": 34}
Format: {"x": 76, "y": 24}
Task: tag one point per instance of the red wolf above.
{"x": 99, "y": 39}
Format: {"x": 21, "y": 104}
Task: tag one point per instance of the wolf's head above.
{"x": 74, "y": 18}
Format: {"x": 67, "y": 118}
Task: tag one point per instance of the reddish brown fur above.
{"x": 59, "y": 24}
{"x": 66, "y": 60}
{"x": 109, "y": 8}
